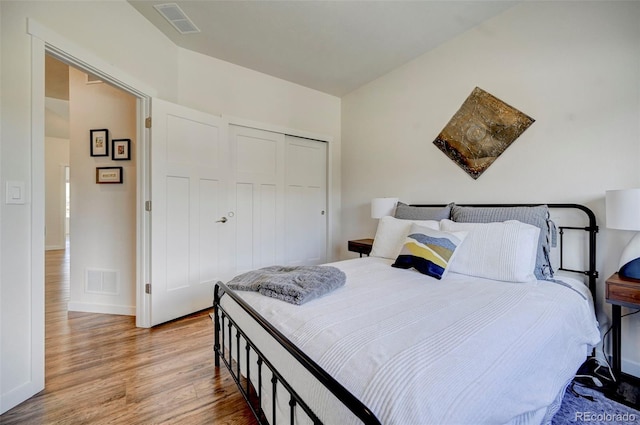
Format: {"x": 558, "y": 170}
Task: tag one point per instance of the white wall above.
{"x": 112, "y": 31}
{"x": 2, "y": 339}
{"x": 221, "y": 88}
{"x": 56, "y": 118}
{"x": 56, "y": 158}
{"x": 103, "y": 226}
{"x": 115, "y": 34}
{"x": 572, "y": 66}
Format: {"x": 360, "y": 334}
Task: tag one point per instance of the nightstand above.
{"x": 361, "y": 246}
{"x": 620, "y": 293}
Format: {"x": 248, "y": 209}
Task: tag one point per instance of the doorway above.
{"x": 101, "y": 235}
{"x": 31, "y": 349}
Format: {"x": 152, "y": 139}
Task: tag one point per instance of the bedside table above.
{"x": 361, "y": 246}
{"x": 620, "y": 293}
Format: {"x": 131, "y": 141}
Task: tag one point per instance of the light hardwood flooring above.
{"x": 102, "y": 369}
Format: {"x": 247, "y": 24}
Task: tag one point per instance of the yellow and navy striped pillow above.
{"x": 429, "y": 251}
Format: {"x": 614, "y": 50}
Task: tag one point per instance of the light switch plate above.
{"x": 15, "y": 192}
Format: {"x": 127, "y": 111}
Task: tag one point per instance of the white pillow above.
{"x": 391, "y": 234}
{"x": 501, "y": 251}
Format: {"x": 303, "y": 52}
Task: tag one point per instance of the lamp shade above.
{"x": 381, "y": 207}
{"x": 623, "y": 209}
{"x": 623, "y": 213}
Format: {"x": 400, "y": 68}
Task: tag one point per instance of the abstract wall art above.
{"x": 480, "y": 131}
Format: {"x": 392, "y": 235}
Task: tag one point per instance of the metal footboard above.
{"x": 229, "y": 338}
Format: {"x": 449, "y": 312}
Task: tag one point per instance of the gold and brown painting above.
{"x": 480, "y": 131}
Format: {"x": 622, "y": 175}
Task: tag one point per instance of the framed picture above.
{"x": 121, "y": 149}
{"x": 109, "y": 175}
{"x": 99, "y": 142}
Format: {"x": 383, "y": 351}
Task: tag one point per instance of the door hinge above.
{"x": 147, "y": 122}
{"x": 147, "y": 206}
{"x": 147, "y": 288}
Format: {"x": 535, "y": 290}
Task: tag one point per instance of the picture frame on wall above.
{"x": 121, "y": 149}
{"x": 109, "y": 175}
{"x": 99, "y": 140}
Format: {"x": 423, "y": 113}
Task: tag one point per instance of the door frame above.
{"x": 46, "y": 41}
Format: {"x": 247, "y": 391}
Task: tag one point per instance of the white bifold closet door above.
{"x": 305, "y": 201}
{"x": 227, "y": 199}
{"x": 280, "y": 196}
{"x": 257, "y": 162}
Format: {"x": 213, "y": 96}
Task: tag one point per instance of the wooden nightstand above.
{"x": 620, "y": 293}
{"x": 361, "y": 246}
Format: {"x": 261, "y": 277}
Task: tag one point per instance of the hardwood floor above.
{"x": 102, "y": 369}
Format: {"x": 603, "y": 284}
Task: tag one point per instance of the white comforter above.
{"x": 417, "y": 350}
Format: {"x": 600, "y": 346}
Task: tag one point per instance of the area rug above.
{"x": 582, "y": 405}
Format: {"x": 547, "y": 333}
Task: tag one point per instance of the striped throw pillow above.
{"x": 429, "y": 251}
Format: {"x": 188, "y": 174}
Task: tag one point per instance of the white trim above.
{"x": 53, "y": 247}
{"x": 68, "y": 52}
{"x": 121, "y": 310}
{"x": 35, "y": 382}
{"x": 143, "y": 218}
{"x": 37, "y": 213}
{"x": 74, "y": 55}
{"x": 330, "y": 210}
{"x": 276, "y": 128}
{"x": 2, "y": 404}
{"x": 631, "y": 367}
{"x": 62, "y": 193}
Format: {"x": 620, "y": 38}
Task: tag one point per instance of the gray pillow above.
{"x": 409, "y": 212}
{"x": 537, "y": 216}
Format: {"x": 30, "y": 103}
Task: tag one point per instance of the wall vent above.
{"x": 176, "y": 17}
{"x": 99, "y": 281}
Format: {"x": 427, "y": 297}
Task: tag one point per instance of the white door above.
{"x": 257, "y": 161}
{"x": 306, "y": 201}
{"x": 189, "y": 174}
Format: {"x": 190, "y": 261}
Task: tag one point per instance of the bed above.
{"x": 482, "y": 343}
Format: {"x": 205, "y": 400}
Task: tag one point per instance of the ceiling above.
{"x": 56, "y": 84}
{"x": 331, "y": 46}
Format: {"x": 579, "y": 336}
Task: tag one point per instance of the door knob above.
{"x": 222, "y": 220}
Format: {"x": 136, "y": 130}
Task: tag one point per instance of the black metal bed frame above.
{"x": 225, "y": 325}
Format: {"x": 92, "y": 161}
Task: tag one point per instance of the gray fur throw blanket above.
{"x": 295, "y": 285}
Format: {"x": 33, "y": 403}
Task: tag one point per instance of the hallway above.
{"x": 102, "y": 369}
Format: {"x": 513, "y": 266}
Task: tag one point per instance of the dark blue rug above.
{"x": 583, "y": 405}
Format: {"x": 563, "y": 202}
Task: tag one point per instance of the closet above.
{"x": 228, "y": 198}
{"x": 280, "y": 195}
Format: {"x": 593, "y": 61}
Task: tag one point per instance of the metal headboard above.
{"x": 592, "y": 229}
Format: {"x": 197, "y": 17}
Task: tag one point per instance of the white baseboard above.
{"x": 53, "y": 247}
{"x": 631, "y": 368}
{"x": 19, "y": 394}
{"x": 102, "y": 308}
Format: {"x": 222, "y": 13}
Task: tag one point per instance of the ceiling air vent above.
{"x": 177, "y": 18}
